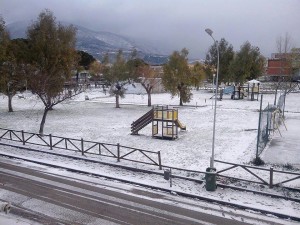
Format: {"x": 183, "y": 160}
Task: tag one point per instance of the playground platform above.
{"x": 165, "y": 122}
{"x": 285, "y": 149}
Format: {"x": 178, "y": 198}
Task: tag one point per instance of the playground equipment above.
{"x": 165, "y": 122}
{"x": 251, "y": 90}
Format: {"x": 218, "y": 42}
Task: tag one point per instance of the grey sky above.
{"x": 173, "y": 24}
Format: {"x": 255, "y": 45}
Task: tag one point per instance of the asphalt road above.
{"x": 52, "y": 199}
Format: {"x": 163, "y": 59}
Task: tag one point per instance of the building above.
{"x": 282, "y": 66}
{"x": 278, "y": 67}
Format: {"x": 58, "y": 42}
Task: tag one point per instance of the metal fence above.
{"x": 269, "y": 119}
{"x": 261, "y": 175}
{"x": 264, "y": 126}
{"x": 84, "y": 147}
{"x": 281, "y": 103}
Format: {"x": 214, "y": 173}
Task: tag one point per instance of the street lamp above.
{"x": 210, "y": 32}
{"x": 213, "y": 84}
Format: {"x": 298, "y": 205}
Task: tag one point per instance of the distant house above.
{"x": 158, "y": 69}
{"x": 82, "y": 77}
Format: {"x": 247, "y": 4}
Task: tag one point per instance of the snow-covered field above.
{"x": 97, "y": 119}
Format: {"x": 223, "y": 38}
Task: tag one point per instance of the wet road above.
{"x": 52, "y": 199}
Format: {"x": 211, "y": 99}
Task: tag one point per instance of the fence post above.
{"x": 82, "y": 147}
{"x": 268, "y": 122}
{"x": 159, "y": 160}
{"x": 50, "y": 141}
{"x": 118, "y": 152}
{"x": 23, "y": 139}
{"x": 259, "y": 125}
{"x": 271, "y": 178}
{"x": 283, "y": 108}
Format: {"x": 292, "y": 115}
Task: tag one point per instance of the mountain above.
{"x": 97, "y": 43}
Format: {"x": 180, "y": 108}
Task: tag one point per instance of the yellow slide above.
{"x": 180, "y": 125}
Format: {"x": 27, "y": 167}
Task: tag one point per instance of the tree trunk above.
{"x": 41, "y": 132}
{"x": 149, "y": 95}
{"x": 149, "y": 99}
{"x": 117, "y": 101}
{"x": 10, "y": 109}
{"x": 180, "y": 101}
{"x": 179, "y": 87}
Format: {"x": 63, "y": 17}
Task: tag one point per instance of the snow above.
{"x": 253, "y": 81}
{"x": 98, "y": 120}
{"x": 7, "y": 219}
{"x": 285, "y": 148}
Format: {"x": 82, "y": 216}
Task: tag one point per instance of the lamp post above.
{"x": 213, "y": 83}
{"x": 210, "y": 32}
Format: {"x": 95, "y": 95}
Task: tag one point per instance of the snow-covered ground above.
{"x": 97, "y": 119}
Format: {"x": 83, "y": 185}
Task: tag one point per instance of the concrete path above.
{"x": 285, "y": 149}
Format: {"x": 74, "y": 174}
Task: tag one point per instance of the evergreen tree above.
{"x": 247, "y": 64}
{"x": 12, "y": 65}
{"x": 85, "y": 59}
{"x": 226, "y": 54}
{"x": 14, "y": 69}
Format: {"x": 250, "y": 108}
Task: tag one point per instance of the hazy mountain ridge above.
{"x": 97, "y": 43}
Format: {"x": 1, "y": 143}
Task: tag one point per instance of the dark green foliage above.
{"x": 12, "y": 64}
{"x": 85, "y": 59}
{"x": 226, "y": 55}
{"x": 247, "y": 64}
{"x": 4, "y": 39}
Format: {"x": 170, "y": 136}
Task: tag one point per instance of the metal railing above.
{"x": 117, "y": 151}
{"x": 123, "y": 152}
{"x": 266, "y": 179}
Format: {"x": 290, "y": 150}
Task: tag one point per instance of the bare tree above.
{"x": 149, "y": 78}
{"x": 284, "y": 44}
{"x": 285, "y": 59}
{"x": 118, "y": 76}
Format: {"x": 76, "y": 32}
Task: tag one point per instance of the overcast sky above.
{"x": 173, "y": 24}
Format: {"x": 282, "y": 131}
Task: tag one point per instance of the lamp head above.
{"x": 209, "y": 31}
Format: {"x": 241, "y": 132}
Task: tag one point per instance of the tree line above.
{"x": 47, "y": 58}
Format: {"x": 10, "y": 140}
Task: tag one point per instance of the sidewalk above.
{"x": 285, "y": 149}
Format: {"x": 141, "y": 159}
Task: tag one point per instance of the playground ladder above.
{"x": 143, "y": 121}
